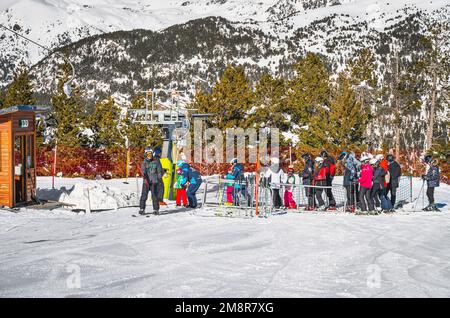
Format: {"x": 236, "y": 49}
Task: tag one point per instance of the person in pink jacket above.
{"x": 365, "y": 184}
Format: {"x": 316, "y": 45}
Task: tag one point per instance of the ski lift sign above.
{"x": 24, "y": 123}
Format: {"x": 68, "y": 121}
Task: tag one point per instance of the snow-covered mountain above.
{"x": 59, "y": 22}
{"x": 121, "y": 46}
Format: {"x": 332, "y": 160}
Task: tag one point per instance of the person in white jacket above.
{"x": 275, "y": 176}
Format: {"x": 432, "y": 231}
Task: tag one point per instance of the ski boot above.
{"x": 322, "y": 208}
{"x": 141, "y": 212}
{"x": 428, "y": 208}
{"x": 332, "y": 208}
{"x": 309, "y": 208}
{"x": 156, "y": 212}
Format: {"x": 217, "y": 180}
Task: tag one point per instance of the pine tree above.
{"x": 68, "y": 115}
{"x": 361, "y": 70}
{"x": 230, "y": 100}
{"x": 269, "y": 108}
{"x": 20, "y": 91}
{"x": 104, "y": 123}
{"x": 435, "y": 73}
{"x": 309, "y": 90}
{"x": 2, "y": 98}
{"x": 341, "y": 125}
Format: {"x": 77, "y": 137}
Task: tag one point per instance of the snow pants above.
{"x": 276, "y": 198}
{"x": 430, "y": 195}
{"x": 351, "y": 191}
{"x": 181, "y": 197}
{"x": 364, "y": 197}
{"x": 289, "y": 200}
{"x": 393, "y": 191}
{"x": 319, "y": 192}
{"x": 329, "y": 191}
{"x": 146, "y": 188}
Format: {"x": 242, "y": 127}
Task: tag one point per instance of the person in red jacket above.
{"x": 320, "y": 180}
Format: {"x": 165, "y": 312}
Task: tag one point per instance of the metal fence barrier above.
{"x": 225, "y": 197}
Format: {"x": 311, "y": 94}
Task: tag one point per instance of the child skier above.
{"x": 181, "y": 190}
{"x": 152, "y": 171}
{"x": 365, "y": 182}
{"x": 289, "y": 202}
{"x": 432, "y": 177}
{"x": 229, "y": 187}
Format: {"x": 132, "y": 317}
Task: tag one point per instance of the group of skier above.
{"x": 368, "y": 182}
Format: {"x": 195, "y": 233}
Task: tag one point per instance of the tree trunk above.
{"x": 430, "y": 128}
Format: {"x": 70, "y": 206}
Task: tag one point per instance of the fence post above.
{"x": 410, "y": 189}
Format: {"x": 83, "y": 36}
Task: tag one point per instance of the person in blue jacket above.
{"x": 192, "y": 179}
{"x": 432, "y": 177}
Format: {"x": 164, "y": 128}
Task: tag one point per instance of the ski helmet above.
{"x": 428, "y": 158}
{"x": 364, "y": 157}
{"x": 147, "y": 151}
{"x": 390, "y": 157}
{"x": 180, "y": 163}
{"x": 380, "y": 156}
{"x": 324, "y": 154}
{"x": 318, "y": 159}
{"x": 233, "y": 161}
{"x": 343, "y": 155}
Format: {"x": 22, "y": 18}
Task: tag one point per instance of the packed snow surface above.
{"x": 178, "y": 254}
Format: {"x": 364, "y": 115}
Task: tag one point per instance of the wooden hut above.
{"x": 18, "y": 154}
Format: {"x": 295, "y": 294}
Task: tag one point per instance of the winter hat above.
{"x": 318, "y": 159}
{"x": 233, "y": 161}
{"x": 306, "y": 156}
{"x": 428, "y": 158}
{"x": 373, "y": 161}
{"x": 157, "y": 151}
{"x": 380, "y": 156}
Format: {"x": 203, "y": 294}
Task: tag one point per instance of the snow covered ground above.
{"x": 64, "y": 254}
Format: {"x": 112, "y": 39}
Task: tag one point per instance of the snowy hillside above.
{"x": 55, "y": 23}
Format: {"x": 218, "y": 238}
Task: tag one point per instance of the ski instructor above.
{"x": 152, "y": 172}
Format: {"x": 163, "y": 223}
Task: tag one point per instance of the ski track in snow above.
{"x": 183, "y": 255}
